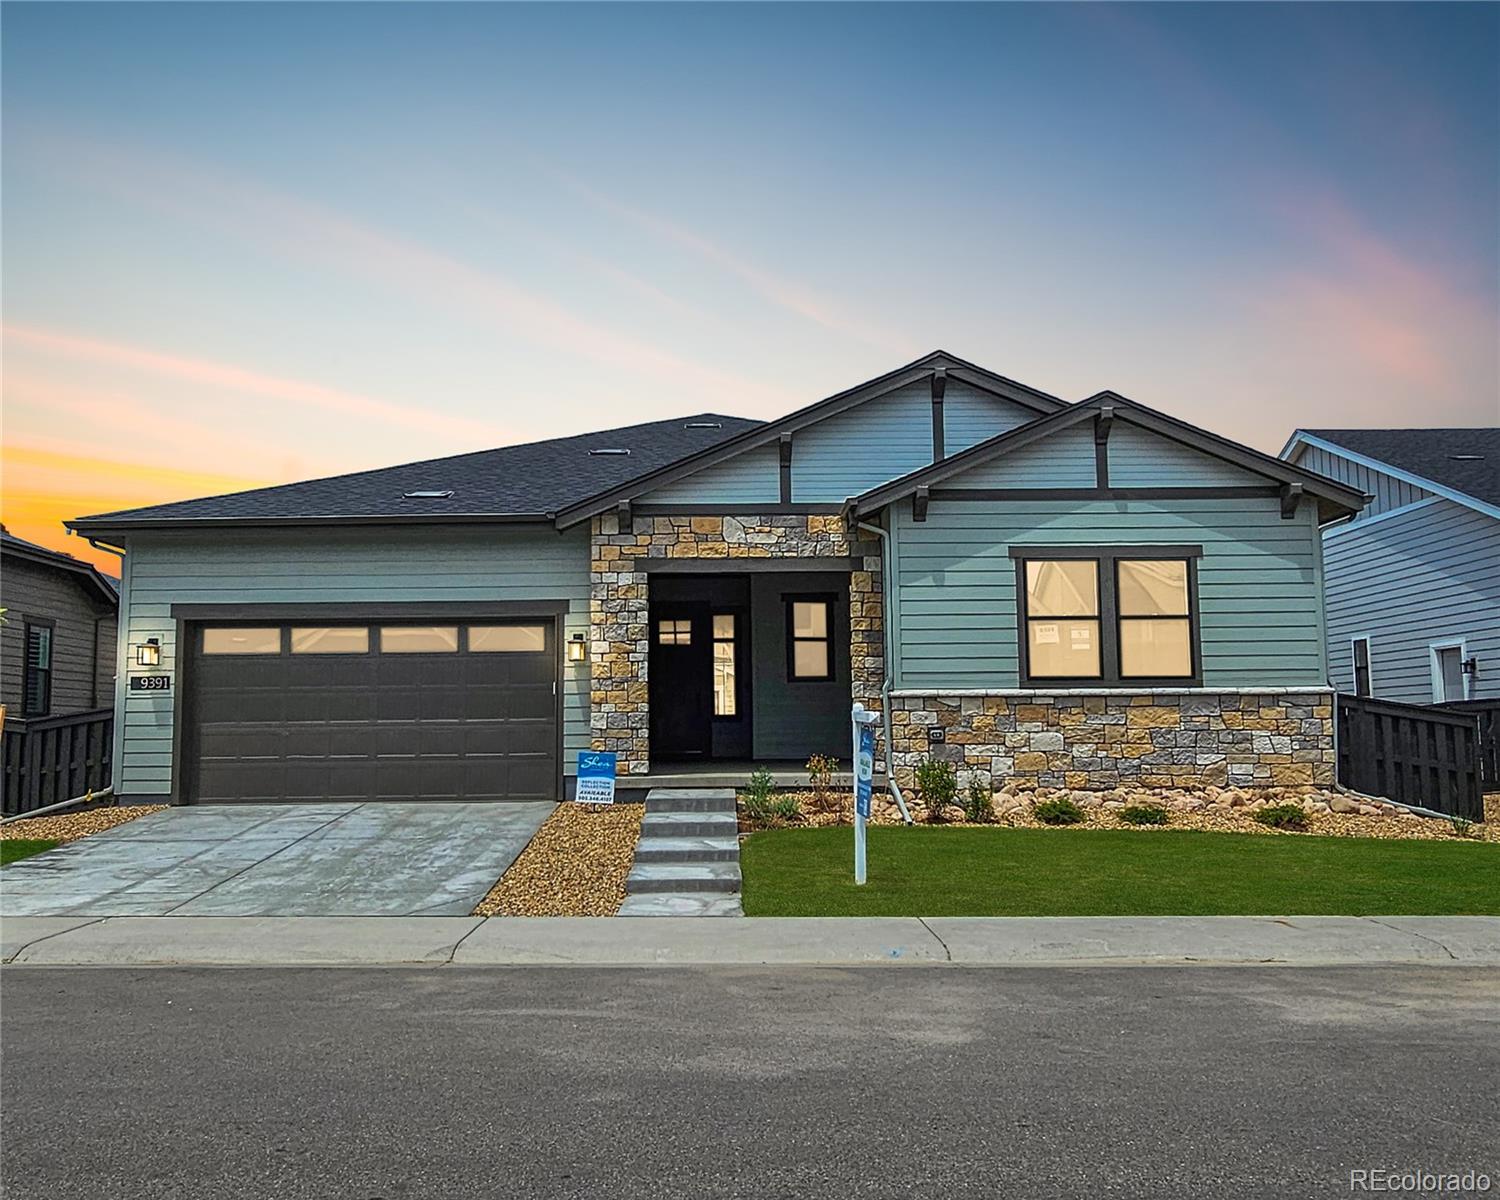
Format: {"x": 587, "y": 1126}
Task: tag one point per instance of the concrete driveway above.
{"x": 279, "y": 860}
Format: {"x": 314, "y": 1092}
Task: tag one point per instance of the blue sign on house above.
{"x": 596, "y": 777}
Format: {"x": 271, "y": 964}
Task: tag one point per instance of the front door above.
{"x": 681, "y": 681}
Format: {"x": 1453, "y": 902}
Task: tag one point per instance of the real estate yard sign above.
{"x": 596, "y": 777}
{"x": 864, "y": 770}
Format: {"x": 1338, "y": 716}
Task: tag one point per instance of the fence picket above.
{"x": 48, "y": 760}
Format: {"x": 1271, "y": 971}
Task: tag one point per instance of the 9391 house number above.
{"x": 150, "y": 683}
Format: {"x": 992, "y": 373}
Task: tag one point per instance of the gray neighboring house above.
{"x": 1078, "y": 594}
{"x": 1413, "y": 581}
{"x": 57, "y": 646}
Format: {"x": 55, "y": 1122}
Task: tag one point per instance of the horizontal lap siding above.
{"x": 753, "y": 477}
{"x": 39, "y": 593}
{"x": 971, "y": 416}
{"x": 1064, "y": 459}
{"x": 1140, "y": 458}
{"x": 1428, "y": 575}
{"x": 290, "y": 567}
{"x": 1388, "y": 492}
{"x": 956, "y": 607}
{"x": 871, "y": 444}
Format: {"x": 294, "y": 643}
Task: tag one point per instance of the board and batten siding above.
{"x": 1428, "y": 574}
{"x": 1258, "y": 584}
{"x": 1388, "y": 493}
{"x": 436, "y": 563}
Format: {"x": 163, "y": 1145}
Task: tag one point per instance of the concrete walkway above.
{"x": 687, "y": 861}
{"x": 691, "y": 941}
{"x": 379, "y": 860}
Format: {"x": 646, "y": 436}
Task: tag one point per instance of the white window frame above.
{"x": 1435, "y": 665}
{"x": 1354, "y": 662}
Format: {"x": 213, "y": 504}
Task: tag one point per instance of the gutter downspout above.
{"x": 885, "y": 671}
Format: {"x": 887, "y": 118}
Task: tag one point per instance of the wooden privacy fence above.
{"x": 47, "y": 760}
{"x": 1488, "y": 713}
{"x": 1412, "y": 754}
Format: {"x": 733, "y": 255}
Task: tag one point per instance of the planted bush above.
{"x": 1283, "y": 816}
{"x": 760, "y": 797}
{"x": 977, "y": 803}
{"x": 1057, "y": 811}
{"x": 937, "y": 784}
{"x": 1143, "y": 814}
{"x": 820, "y": 771}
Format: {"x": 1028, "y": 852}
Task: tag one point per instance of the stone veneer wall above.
{"x": 1250, "y": 738}
{"x": 619, "y": 614}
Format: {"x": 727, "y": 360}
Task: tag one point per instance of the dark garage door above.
{"x": 371, "y": 711}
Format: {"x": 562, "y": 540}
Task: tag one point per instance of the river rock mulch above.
{"x": 1214, "y": 809}
{"x": 575, "y": 865}
{"x": 69, "y": 827}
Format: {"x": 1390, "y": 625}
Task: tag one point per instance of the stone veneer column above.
{"x": 619, "y": 617}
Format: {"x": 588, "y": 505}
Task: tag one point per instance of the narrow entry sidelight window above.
{"x": 724, "y": 681}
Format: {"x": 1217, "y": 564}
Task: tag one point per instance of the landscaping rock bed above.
{"x": 575, "y": 866}
{"x": 1226, "y": 810}
{"x": 70, "y": 826}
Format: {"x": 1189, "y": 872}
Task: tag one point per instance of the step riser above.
{"x": 682, "y": 856}
{"x": 707, "y": 828}
{"x": 693, "y": 806}
{"x": 645, "y": 887}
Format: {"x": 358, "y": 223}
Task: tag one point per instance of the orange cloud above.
{"x": 42, "y": 488}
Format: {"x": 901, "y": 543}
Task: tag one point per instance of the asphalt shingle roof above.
{"x": 10, "y": 543}
{"x": 1466, "y": 460}
{"x": 527, "y": 480}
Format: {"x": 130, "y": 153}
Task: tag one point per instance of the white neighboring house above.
{"x": 1412, "y": 583}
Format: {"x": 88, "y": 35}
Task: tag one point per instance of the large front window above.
{"x": 1108, "y": 615}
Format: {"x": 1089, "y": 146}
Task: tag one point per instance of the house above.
{"x": 1039, "y": 591}
{"x": 1413, "y": 581}
{"x": 57, "y": 645}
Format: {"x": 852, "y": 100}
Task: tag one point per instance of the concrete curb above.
{"x": 690, "y": 941}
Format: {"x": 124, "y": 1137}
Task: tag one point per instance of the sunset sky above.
{"x": 251, "y": 244}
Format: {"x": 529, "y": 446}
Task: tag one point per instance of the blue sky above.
{"x": 252, "y": 243}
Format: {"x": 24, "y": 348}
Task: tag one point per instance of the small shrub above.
{"x": 1143, "y": 814}
{"x": 1283, "y": 816}
{"x": 977, "y": 806}
{"x": 820, "y": 771}
{"x": 937, "y": 784}
{"x": 760, "y": 796}
{"x": 1462, "y": 827}
{"x": 1057, "y": 811}
{"x": 785, "y": 807}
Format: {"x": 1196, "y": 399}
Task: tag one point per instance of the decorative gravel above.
{"x": 69, "y": 827}
{"x": 1223, "y": 810}
{"x": 575, "y": 866}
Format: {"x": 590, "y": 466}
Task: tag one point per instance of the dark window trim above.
{"x": 1369, "y": 666}
{"x": 1108, "y": 559}
{"x": 829, "y": 599}
{"x": 28, "y": 673}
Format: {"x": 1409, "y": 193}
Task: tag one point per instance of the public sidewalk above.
{"x": 690, "y": 941}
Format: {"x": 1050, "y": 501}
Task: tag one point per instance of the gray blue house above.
{"x": 1042, "y": 592}
{"x": 1413, "y": 580}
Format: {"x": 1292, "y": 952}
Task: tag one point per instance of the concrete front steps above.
{"x": 687, "y": 861}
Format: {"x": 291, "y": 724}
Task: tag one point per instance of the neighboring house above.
{"x": 57, "y": 646}
{"x": 1413, "y": 581}
{"x": 1081, "y": 594}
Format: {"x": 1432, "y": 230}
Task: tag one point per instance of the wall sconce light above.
{"x": 578, "y": 649}
{"x": 148, "y": 654}
{"x": 1469, "y": 666}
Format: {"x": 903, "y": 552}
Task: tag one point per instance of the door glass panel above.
{"x": 507, "y": 639}
{"x": 1067, "y": 649}
{"x": 242, "y": 641}
{"x": 331, "y": 639}
{"x": 1156, "y": 649}
{"x": 1153, "y": 588}
{"x": 724, "y": 625}
{"x": 1062, "y": 588}
{"x": 674, "y": 633}
{"x": 809, "y": 619}
{"x": 419, "y": 639}
{"x": 724, "y": 705}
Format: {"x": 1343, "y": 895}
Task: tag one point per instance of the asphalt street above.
{"x": 443, "y": 1083}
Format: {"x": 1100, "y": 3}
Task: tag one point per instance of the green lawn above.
{"x": 1044, "y": 872}
{"x": 15, "y": 849}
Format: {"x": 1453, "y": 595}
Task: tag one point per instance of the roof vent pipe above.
{"x": 610, "y": 450}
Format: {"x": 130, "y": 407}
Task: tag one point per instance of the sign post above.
{"x": 864, "y": 769}
{"x": 596, "y": 777}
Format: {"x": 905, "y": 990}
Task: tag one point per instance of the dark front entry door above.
{"x": 681, "y": 682}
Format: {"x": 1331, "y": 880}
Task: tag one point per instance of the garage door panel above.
{"x": 372, "y": 726}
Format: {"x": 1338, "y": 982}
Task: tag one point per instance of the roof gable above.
{"x": 1336, "y": 499}
{"x": 88, "y": 575}
{"x": 923, "y": 369}
{"x": 1462, "y": 465}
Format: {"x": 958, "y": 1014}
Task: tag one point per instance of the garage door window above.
{"x": 330, "y": 639}
{"x": 242, "y": 641}
{"x": 419, "y": 639}
{"x": 507, "y": 639}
